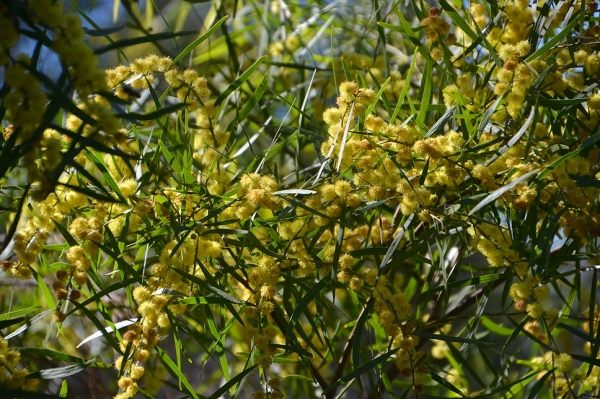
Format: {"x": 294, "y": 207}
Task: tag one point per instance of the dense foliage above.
{"x": 338, "y": 199}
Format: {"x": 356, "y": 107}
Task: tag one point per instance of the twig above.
{"x": 127, "y": 5}
{"x": 348, "y": 348}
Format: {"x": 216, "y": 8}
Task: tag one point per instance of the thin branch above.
{"x": 348, "y": 347}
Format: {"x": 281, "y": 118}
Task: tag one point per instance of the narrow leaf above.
{"x": 295, "y": 192}
{"x": 580, "y": 334}
{"x": 359, "y": 371}
{"x": 212, "y": 289}
{"x": 238, "y": 82}
{"x": 170, "y": 365}
{"x": 60, "y": 372}
{"x": 108, "y": 330}
{"x": 238, "y": 378}
{"x": 291, "y": 348}
{"x": 514, "y": 139}
{"x": 8, "y": 323}
{"x": 494, "y": 195}
{"x": 310, "y": 295}
{"x": 28, "y": 324}
{"x": 142, "y": 39}
{"x": 440, "y": 122}
{"x": 196, "y": 42}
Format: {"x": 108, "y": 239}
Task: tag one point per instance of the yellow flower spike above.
{"x": 563, "y": 363}
{"x": 592, "y": 64}
{"x": 264, "y": 361}
{"x": 348, "y": 91}
{"x": 594, "y": 102}
{"x": 136, "y": 372}
{"x": 535, "y": 310}
{"x": 342, "y": 188}
{"x": 356, "y": 283}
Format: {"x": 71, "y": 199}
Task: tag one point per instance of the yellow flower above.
{"x": 564, "y": 363}
{"x": 535, "y": 310}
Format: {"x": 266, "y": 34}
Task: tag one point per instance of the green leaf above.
{"x": 555, "y": 164}
{"x": 488, "y": 113}
{"x": 346, "y": 70}
{"x": 202, "y": 38}
{"x": 150, "y": 116}
{"x": 103, "y": 31}
{"x": 537, "y": 387}
{"x": 440, "y": 122}
{"x": 228, "y": 298}
{"x": 590, "y": 141}
{"x": 390, "y": 252}
{"x": 423, "y": 176}
{"x": 249, "y": 106}
{"x": 550, "y": 44}
{"x": 494, "y": 195}
{"x": 140, "y": 40}
{"x": 65, "y": 233}
{"x": 101, "y": 167}
{"x": 465, "y": 283}
{"x": 514, "y": 138}
{"x": 425, "y": 93}
{"x": 585, "y": 181}
{"x": 29, "y": 323}
{"x": 13, "y": 226}
{"x": 20, "y": 312}
{"x": 60, "y": 372}
{"x": 496, "y": 328}
{"x": 378, "y": 96}
{"x": 359, "y": 371}
{"x": 449, "y": 338}
{"x": 580, "y": 334}
{"x": 358, "y": 332}
{"x": 586, "y": 359}
{"x": 105, "y": 293}
{"x": 560, "y": 102}
{"x": 60, "y": 356}
{"x": 304, "y": 302}
{"x": 405, "y": 88}
{"x": 291, "y": 348}
{"x": 446, "y": 384}
{"x": 64, "y": 389}
{"x": 203, "y": 300}
{"x": 8, "y": 323}
{"x": 239, "y": 81}
{"x": 519, "y": 385}
{"x": 459, "y": 20}
{"x": 235, "y": 380}
{"x": 172, "y": 367}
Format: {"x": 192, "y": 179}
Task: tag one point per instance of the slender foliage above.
{"x": 330, "y": 199}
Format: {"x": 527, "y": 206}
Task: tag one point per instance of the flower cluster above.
{"x": 170, "y": 208}
{"x": 13, "y": 376}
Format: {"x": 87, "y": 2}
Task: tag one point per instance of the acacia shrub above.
{"x": 304, "y": 202}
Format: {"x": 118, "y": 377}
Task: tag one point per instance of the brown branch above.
{"x": 348, "y": 347}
